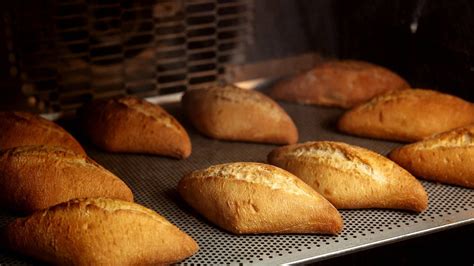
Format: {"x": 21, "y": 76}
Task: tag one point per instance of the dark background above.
{"x": 438, "y": 55}
{"x": 452, "y": 247}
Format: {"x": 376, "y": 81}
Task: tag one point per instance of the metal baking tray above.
{"x": 153, "y": 180}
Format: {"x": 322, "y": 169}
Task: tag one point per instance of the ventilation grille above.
{"x": 74, "y": 51}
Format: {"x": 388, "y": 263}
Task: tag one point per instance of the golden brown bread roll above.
{"x": 351, "y": 177}
{"x": 22, "y": 129}
{"x": 255, "y": 198}
{"x": 134, "y": 125}
{"x": 230, "y": 113}
{"x": 407, "y": 115}
{"x": 99, "y": 232}
{"x": 447, "y": 157}
{"x": 36, "y": 177}
{"x": 341, "y": 83}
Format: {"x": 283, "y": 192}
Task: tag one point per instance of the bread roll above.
{"x": 341, "y": 83}
{"x": 446, "y": 158}
{"x": 407, "y": 115}
{"x": 99, "y": 232}
{"x": 351, "y": 177}
{"x": 36, "y": 177}
{"x": 230, "y": 113}
{"x": 22, "y": 129}
{"x": 133, "y": 125}
{"x": 255, "y": 198}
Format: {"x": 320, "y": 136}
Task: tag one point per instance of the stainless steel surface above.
{"x": 153, "y": 180}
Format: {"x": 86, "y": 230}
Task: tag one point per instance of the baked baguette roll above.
{"x": 351, "y": 177}
{"x": 230, "y": 113}
{"x": 37, "y": 177}
{"x": 129, "y": 124}
{"x": 23, "y": 129}
{"x": 407, "y": 115}
{"x": 255, "y": 198}
{"x": 341, "y": 83}
{"x": 99, "y": 232}
{"x": 447, "y": 157}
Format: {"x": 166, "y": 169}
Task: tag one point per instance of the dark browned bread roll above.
{"x": 134, "y": 125}
{"x": 341, "y": 83}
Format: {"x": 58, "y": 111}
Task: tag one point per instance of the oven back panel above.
{"x": 56, "y": 55}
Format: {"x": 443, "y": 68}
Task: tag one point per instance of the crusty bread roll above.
{"x": 351, "y": 177}
{"x": 447, "y": 157}
{"x": 407, "y": 115}
{"x": 99, "y": 232}
{"x": 253, "y": 198}
{"x": 130, "y": 124}
{"x": 341, "y": 83}
{"x": 22, "y": 129}
{"x": 36, "y": 177}
{"x": 230, "y": 113}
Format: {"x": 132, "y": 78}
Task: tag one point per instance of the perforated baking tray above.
{"x": 153, "y": 180}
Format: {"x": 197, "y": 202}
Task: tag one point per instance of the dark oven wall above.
{"x": 430, "y": 43}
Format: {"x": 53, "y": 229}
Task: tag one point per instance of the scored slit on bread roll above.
{"x": 36, "y": 177}
{"x": 407, "y": 115}
{"x": 130, "y": 124}
{"x": 351, "y": 177}
{"x": 231, "y": 113}
{"x": 341, "y": 83}
{"x": 23, "y": 128}
{"x": 99, "y": 232}
{"x": 447, "y": 157}
{"x": 255, "y": 198}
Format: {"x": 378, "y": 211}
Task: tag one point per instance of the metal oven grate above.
{"x": 73, "y": 51}
{"x": 153, "y": 180}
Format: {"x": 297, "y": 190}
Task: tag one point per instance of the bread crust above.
{"x": 341, "y": 83}
{"x": 447, "y": 157}
{"x": 130, "y": 124}
{"x": 37, "y": 177}
{"x": 23, "y": 129}
{"x": 230, "y": 113}
{"x": 254, "y": 198}
{"x": 407, "y": 115}
{"x": 351, "y": 177}
{"x": 99, "y": 232}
